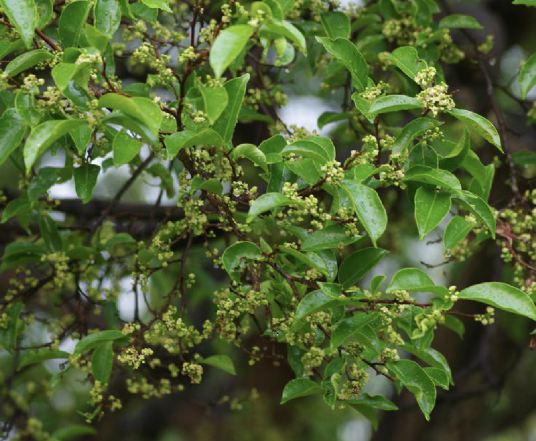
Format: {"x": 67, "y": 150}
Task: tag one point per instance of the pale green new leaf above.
{"x": 227, "y": 46}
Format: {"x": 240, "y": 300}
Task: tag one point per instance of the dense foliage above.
{"x": 270, "y": 233}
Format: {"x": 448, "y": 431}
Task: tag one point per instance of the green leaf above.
{"x": 96, "y": 38}
{"x": 27, "y": 60}
{"x": 307, "y": 149}
{"x": 12, "y": 131}
{"x": 410, "y": 279}
{"x": 96, "y": 339}
{"x": 431, "y": 207}
{"x": 49, "y": 233}
{"x": 227, "y": 46}
{"x": 251, "y": 152}
{"x": 376, "y": 401}
{"x": 316, "y": 301}
{"x": 328, "y": 238}
{"x": 479, "y": 124}
{"x": 300, "y": 387}
{"x": 23, "y": 15}
{"x": 368, "y": 207}
{"x": 215, "y": 100}
{"x": 234, "y": 254}
{"x": 44, "y": 12}
{"x": 349, "y": 56}
{"x": 336, "y": 24}
{"x": 138, "y": 108}
{"x": 438, "y": 376}
{"x": 349, "y": 327}
{"x": 46, "y": 178}
{"x": 81, "y": 136}
{"x": 527, "y": 76}
{"x": 107, "y": 15}
{"x": 15, "y": 208}
{"x": 125, "y": 148}
{"x": 158, "y": 4}
{"x": 431, "y": 357}
{"x": 359, "y": 263}
{"x": 331, "y": 117}
{"x": 479, "y": 208}
{"x": 460, "y": 21}
{"x": 73, "y": 431}
{"x": 417, "y": 381}
{"x": 266, "y": 202}
{"x": 415, "y": 128}
{"x": 394, "y": 103}
{"x": 310, "y": 259}
{"x": 457, "y": 230}
{"x": 176, "y": 142}
{"x": 222, "y": 362}
{"x": 85, "y": 179}
{"x": 212, "y": 185}
{"x": 225, "y": 124}
{"x": 102, "y": 362}
{"x": 407, "y": 59}
{"x": 42, "y": 137}
{"x": 63, "y": 73}
{"x": 28, "y": 358}
{"x": 456, "y": 156}
{"x": 72, "y": 21}
{"x": 502, "y": 296}
{"x": 24, "y": 103}
{"x": 287, "y": 30}
{"x": 433, "y": 176}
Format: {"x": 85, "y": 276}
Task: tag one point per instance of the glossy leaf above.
{"x": 107, "y": 15}
{"x": 417, "y": 381}
{"x": 28, "y": 358}
{"x": 479, "y": 124}
{"x": 368, "y": 207}
{"x": 23, "y": 15}
{"x": 336, "y": 24}
{"x": 394, "y": 103}
{"x": 456, "y": 230}
{"x": 349, "y": 56}
{"x": 26, "y": 61}
{"x": 479, "y": 208}
{"x": 96, "y": 339}
{"x": 502, "y": 296}
{"x": 527, "y": 76}
{"x": 42, "y": 137}
{"x": 266, "y": 202}
{"x": 316, "y": 301}
{"x": 237, "y": 252}
{"x": 102, "y": 362}
{"x": 227, "y": 46}
{"x": 12, "y": 131}
{"x": 85, "y": 179}
{"x": 410, "y": 279}
{"x": 300, "y": 387}
{"x": 225, "y": 124}
{"x": 72, "y": 20}
{"x": 159, "y": 4}
{"x": 407, "y": 59}
{"x": 412, "y": 130}
{"x": 459, "y": 21}
{"x": 125, "y": 148}
{"x": 251, "y": 152}
{"x": 176, "y": 142}
{"x": 358, "y": 264}
{"x": 431, "y": 207}
{"x": 347, "y": 328}
{"x": 437, "y": 177}
{"x": 328, "y": 238}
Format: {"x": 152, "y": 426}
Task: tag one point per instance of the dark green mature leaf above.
{"x": 349, "y": 327}
{"x": 394, "y": 103}
{"x": 42, "y": 137}
{"x": 336, "y": 24}
{"x": 72, "y": 20}
{"x": 431, "y": 357}
{"x": 225, "y": 124}
{"x": 431, "y": 207}
{"x": 349, "y": 56}
{"x": 12, "y": 131}
{"x": 359, "y": 263}
{"x": 73, "y": 431}
{"x": 102, "y": 362}
{"x": 502, "y": 296}
{"x": 23, "y": 15}
{"x": 138, "y": 108}
{"x": 527, "y": 76}
{"x": 125, "y": 148}
{"x": 85, "y": 179}
{"x": 26, "y": 61}
{"x": 24, "y": 103}
{"x": 107, "y": 15}
{"x": 438, "y": 376}
{"x": 9, "y": 333}
{"x": 417, "y": 381}
{"x": 479, "y": 124}
{"x": 433, "y": 176}
{"x": 410, "y": 279}
{"x": 49, "y": 233}
{"x": 307, "y": 149}
{"x": 415, "y": 128}
{"x": 479, "y": 208}
{"x": 266, "y": 202}
{"x": 234, "y": 254}
{"x": 95, "y": 340}
{"x": 457, "y": 230}
{"x": 407, "y": 59}
{"x": 316, "y": 301}
{"x": 368, "y": 207}
{"x": 222, "y": 362}
{"x": 300, "y": 387}
{"x": 524, "y": 157}
{"x": 227, "y": 46}
{"x": 328, "y": 238}
{"x": 251, "y": 152}
{"x": 176, "y": 142}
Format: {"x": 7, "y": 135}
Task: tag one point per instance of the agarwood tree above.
{"x": 270, "y": 232}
